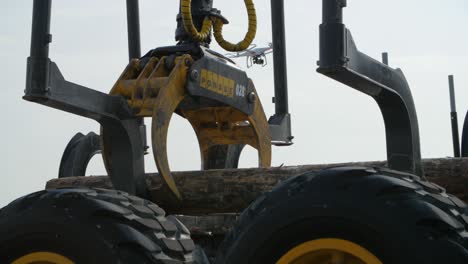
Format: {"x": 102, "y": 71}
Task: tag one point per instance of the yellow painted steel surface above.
{"x": 156, "y": 91}
{"x": 217, "y": 83}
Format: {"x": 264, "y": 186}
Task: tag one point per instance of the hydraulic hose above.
{"x": 218, "y": 24}
{"x": 249, "y": 37}
{"x": 186, "y": 10}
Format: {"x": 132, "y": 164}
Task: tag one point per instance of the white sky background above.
{"x": 331, "y": 122}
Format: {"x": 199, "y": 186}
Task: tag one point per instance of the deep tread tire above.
{"x": 398, "y": 217}
{"x": 93, "y": 226}
{"x": 80, "y": 149}
{"x": 78, "y": 153}
{"x": 223, "y": 157}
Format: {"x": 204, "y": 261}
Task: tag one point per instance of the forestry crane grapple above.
{"x": 351, "y": 215}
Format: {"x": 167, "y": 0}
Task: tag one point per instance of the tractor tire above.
{"x": 80, "y": 149}
{"x": 78, "y": 153}
{"x": 223, "y": 157}
{"x": 90, "y": 226}
{"x": 351, "y": 215}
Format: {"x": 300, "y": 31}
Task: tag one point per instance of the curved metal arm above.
{"x": 46, "y": 85}
{"x": 341, "y": 60}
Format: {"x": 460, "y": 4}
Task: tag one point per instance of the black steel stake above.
{"x": 134, "y": 47}
{"x": 385, "y": 58}
{"x": 123, "y": 134}
{"x": 464, "y": 143}
{"x": 279, "y": 57}
{"x": 280, "y": 122}
{"x": 133, "y": 27}
{"x": 454, "y": 119}
{"x": 341, "y": 60}
{"x": 38, "y": 72}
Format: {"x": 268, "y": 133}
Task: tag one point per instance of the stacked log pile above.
{"x": 227, "y": 192}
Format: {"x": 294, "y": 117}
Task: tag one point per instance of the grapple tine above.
{"x": 158, "y": 87}
{"x": 256, "y": 133}
{"x": 159, "y": 131}
{"x": 261, "y": 129}
{"x": 168, "y": 99}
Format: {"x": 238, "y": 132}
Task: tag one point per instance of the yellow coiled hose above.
{"x": 218, "y": 27}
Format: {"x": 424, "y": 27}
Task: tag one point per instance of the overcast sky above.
{"x": 331, "y": 122}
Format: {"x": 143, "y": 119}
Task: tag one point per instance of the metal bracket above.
{"x": 341, "y": 60}
{"x": 280, "y": 130}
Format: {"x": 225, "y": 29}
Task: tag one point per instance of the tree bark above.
{"x": 230, "y": 191}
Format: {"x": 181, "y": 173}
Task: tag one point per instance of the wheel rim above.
{"x": 329, "y": 251}
{"x": 43, "y": 258}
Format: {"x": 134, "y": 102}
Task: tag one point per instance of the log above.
{"x": 230, "y": 191}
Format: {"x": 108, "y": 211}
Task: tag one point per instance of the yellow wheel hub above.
{"x": 329, "y": 251}
{"x": 43, "y": 258}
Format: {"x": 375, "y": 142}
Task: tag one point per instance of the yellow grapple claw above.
{"x": 157, "y": 89}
